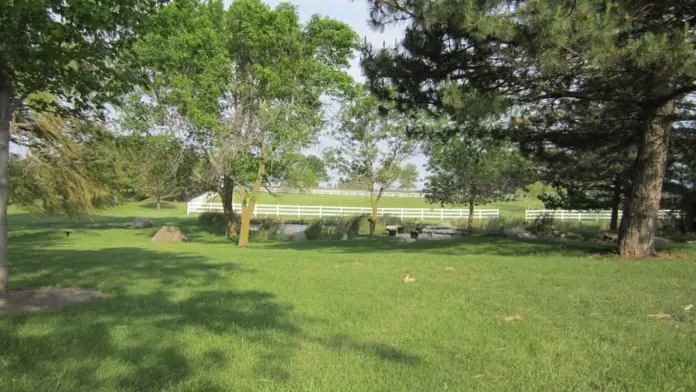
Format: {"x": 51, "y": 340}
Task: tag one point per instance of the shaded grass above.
{"x": 336, "y": 316}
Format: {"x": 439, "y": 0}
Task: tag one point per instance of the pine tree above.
{"x": 544, "y": 61}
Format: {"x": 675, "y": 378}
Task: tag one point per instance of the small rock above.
{"x": 169, "y": 234}
{"x": 521, "y": 234}
{"x": 408, "y": 279}
{"x": 513, "y": 318}
{"x": 662, "y": 241}
{"x": 142, "y": 223}
{"x": 575, "y": 237}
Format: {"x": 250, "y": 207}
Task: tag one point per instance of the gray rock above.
{"x": 519, "y": 234}
{"x": 142, "y": 223}
{"x": 575, "y": 237}
{"x": 662, "y": 241}
{"x": 170, "y": 234}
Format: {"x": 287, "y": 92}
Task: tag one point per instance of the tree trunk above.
{"x": 374, "y": 203}
{"x": 5, "y": 117}
{"x": 616, "y": 204}
{"x": 159, "y": 204}
{"x": 248, "y": 209}
{"x": 470, "y": 222}
{"x": 227, "y": 195}
{"x": 639, "y": 223}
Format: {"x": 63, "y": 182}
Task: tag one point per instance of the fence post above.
{"x": 579, "y": 216}
{"x": 277, "y": 210}
{"x": 562, "y": 215}
{"x": 188, "y": 208}
{"x": 298, "y": 211}
{"x": 421, "y": 215}
{"x": 340, "y": 213}
{"x": 402, "y": 213}
{"x": 442, "y": 217}
{"x": 480, "y": 214}
{"x": 319, "y": 212}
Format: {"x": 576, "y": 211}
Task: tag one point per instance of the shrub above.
{"x": 213, "y": 220}
{"x": 334, "y": 228}
{"x": 543, "y": 224}
{"x": 271, "y": 229}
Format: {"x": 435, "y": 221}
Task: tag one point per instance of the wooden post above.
{"x": 320, "y": 212}
{"x": 298, "y": 211}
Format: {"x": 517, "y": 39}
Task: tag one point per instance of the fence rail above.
{"x": 580, "y": 216}
{"x": 322, "y": 211}
{"x": 344, "y": 192}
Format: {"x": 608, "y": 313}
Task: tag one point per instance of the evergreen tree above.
{"x": 543, "y": 62}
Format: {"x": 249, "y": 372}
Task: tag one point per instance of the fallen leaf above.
{"x": 408, "y": 279}
{"x": 660, "y": 316}
{"x": 514, "y": 318}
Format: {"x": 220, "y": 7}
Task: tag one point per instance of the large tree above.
{"x": 250, "y": 83}
{"x": 372, "y": 147}
{"x": 543, "y": 60}
{"x": 71, "y": 49}
{"x": 471, "y": 171}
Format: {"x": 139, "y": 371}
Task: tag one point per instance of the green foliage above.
{"x": 67, "y": 167}
{"x": 371, "y": 146}
{"x": 472, "y": 171}
{"x": 335, "y": 228}
{"x": 270, "y": 229}
{"x": 213, "y": 220}
{"x": 543, "y": 224}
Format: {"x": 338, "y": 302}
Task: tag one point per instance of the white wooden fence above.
{"x": 344, "y": 192}
{"x": 579, "y": 216}
{"x": 194, "y": 207}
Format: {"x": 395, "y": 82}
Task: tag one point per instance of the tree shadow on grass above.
{"x": 173, "y": 321}
{"x": 474, "y": 245}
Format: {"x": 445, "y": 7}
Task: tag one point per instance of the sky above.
{"x": 356, "y": 14}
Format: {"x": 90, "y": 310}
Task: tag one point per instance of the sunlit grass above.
{"x": 322, "y": 316}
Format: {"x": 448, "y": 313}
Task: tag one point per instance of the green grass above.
{"x": 320, "y": 316}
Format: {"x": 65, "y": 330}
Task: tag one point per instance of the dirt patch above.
{"x": 46, "y": 298}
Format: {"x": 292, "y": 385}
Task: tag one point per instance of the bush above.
{"x": 213, "y": 220}
{"x": 271, "y": 230}
{"x": 335, "y": 228}
{"x": 543, "y": 224}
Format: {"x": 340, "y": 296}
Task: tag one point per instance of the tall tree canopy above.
{"x": 542, "y": 64}
{"x": 71, "y": 49}
{"x": 256, "y": 91}
{"x": 371, "y": 147}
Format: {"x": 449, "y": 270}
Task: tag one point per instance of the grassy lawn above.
{"x": 317, "y": 316}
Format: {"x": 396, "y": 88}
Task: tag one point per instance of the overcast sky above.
{"x": 355, "y": 13}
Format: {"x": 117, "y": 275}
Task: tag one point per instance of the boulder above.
{"x": 299, "y": 236}
{"x": 662, "y": 241}
{"x": 142, "y": 223}
{"x": 519, "y": 234}
{"x": 169, "y": 234}
{"x": 575, "y": 237}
